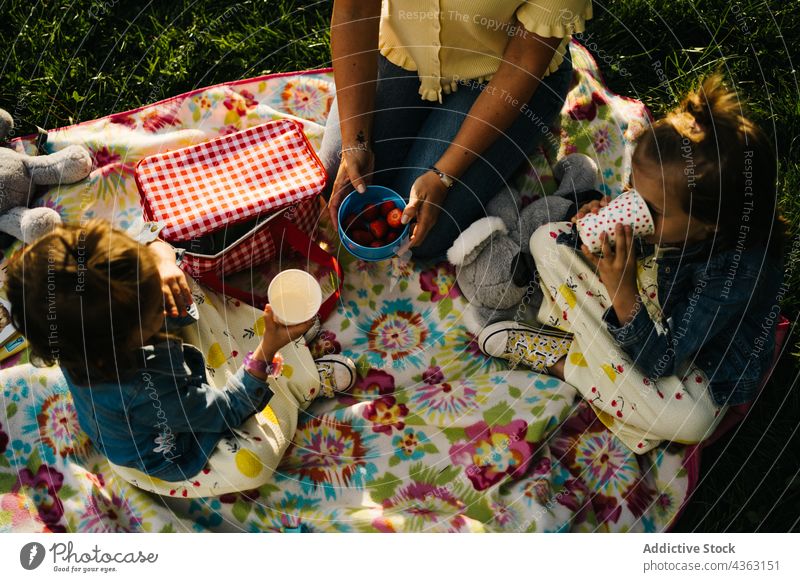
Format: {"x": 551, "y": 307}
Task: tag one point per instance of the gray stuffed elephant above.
{"x": 19, "y": 176}
{"x": 494, "y": 267}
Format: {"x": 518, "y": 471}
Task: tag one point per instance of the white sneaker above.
{"x": 536, "y": 348}
{"x": 336, "y": 374}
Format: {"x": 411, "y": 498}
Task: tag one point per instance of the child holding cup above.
{"x": 667, "y": 314}
{"x": 91, "y": 299}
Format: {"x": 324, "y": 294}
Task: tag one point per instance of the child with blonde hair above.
{"x": 92, "y": 300}
{"x": 661, "y": 334}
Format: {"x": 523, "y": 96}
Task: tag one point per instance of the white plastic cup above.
{"x": 295, "y": 296}
{"x": 628, "y": 209}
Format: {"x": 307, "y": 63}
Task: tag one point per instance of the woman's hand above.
{"x": 617, "y": 270}
{"x": 591, "y": 207}
{"x": 174, "y": 286}
{"x": 277, "y": 335}
{"x": 355, "y": 173}
{"x": 425, "y": 202}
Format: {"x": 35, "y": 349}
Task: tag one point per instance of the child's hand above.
{"x": 591, "y": 207}
{"x": 617, "y": 270}
{"x": 277, "y": 335}
{"x": 177, "y": 295}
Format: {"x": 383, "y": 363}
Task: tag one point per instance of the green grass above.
{"x": 66, "y": 62}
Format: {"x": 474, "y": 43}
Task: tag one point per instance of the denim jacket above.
{"x": 166, "y": 419}
{"x": 720, "y": 314}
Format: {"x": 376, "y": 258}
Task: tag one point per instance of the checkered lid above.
{"x": 197, "y": 190}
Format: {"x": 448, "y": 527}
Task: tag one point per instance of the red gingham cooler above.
{"x": 268, "y": 173}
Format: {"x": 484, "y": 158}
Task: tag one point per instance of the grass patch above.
{"x": 68, "y": 62}
{"x": 73, "y": 61}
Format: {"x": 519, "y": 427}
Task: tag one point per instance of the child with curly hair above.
{"x": 94, "y": 301}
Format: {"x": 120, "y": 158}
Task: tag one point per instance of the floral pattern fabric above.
{"x": 434, "y": 437}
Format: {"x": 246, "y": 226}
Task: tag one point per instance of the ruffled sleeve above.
{"x": 555, "y": 18}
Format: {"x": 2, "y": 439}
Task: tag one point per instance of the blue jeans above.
{"x": 410, "y": 135}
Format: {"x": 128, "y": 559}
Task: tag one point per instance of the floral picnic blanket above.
{"x": 435, "y": 436}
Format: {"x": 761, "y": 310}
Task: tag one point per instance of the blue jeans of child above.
{"x": 410, "y": 135}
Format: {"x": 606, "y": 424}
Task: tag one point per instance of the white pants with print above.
{"x": 639, "y": 411}
{"x": 246, "y": 460}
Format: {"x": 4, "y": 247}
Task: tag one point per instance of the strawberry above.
{"x": 370, "y": 212}
{"x": 376, "y": 244}
{"x": 392, "y": 235}
{"x": 394, "y": 218}
{"x": 387, "y": 207}
{"x": 378, "y": 228}
{"x": 361, "y": 237}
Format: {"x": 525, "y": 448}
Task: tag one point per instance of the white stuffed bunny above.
{"x": 19, "y": 176}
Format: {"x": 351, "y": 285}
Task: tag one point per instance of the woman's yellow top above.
{"x": 447, "y": 41}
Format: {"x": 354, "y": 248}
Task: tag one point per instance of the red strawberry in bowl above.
{"x": 361, "y": 237}
{"x": 370, "y": 212}
{"x": 387, "y": 207}
{"x": 378, "y": 228}
{"x": 394, "y": 218}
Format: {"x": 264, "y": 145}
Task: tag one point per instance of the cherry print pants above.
{"x": 641, "y": 412}
{"x": 247, "y": 459}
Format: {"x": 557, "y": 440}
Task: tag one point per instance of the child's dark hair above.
{"x": 721, "y": 163}
{"x": 76, "y": 295}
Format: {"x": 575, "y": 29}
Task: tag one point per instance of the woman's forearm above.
{"x": 525, "y": 62}
{"x": 354, "y": 49}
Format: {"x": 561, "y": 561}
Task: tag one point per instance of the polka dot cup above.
{"x": 628, "y": 209}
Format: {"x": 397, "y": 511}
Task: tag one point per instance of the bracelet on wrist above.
{"x": 356, "y": 148}
{"x": 446, "y": 180}
{"x": 273, "y": 368}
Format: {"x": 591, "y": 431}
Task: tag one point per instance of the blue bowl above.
{"x": 355, "y": 204}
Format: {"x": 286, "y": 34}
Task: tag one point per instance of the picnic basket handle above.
{"x": 300, "y": 242}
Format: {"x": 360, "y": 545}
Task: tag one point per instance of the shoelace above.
{"x": 538, "y": 351}
{"x": 327, "y": 379}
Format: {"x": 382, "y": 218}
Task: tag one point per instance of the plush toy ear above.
{"x": 471, "y": 242}
{"x": 575, "y": 173}
{"x": 542, "y": 211}
{"x": 506, "y": 205}
{"x": 29, "y": 224}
